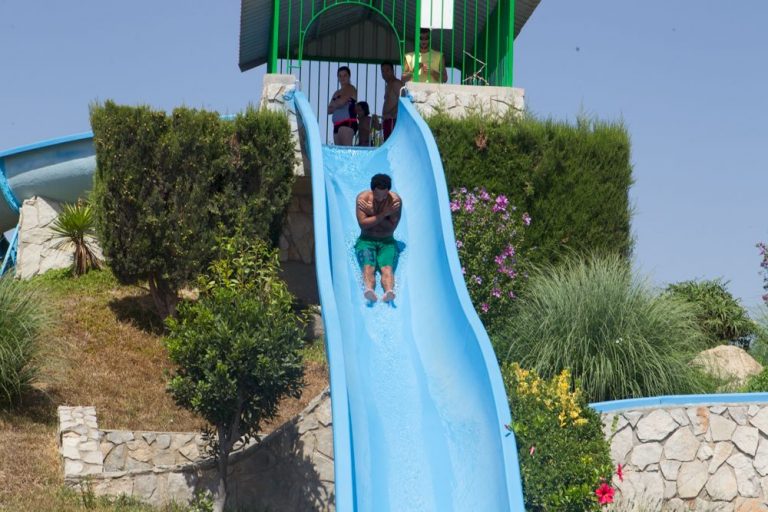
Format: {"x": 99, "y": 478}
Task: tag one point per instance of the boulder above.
{"x": 728, "y": 362}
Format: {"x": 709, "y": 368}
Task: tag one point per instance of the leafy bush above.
{"x": 75, "y": 226}
{"x": 619, "y": 339}
{"x": 563, "y": 454}
{"x": 237, "y": 347}
{"x": 721, "y": 317}
{"x": 167, "y": 186}
{"x": 488, "y": 230}
{"x": 572, "y": 179}
{"x": 21, "y": 320}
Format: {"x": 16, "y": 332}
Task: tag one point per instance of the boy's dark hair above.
{"x": 424, "y": 31}
{"x": 344, "y": 68}
{"x": 381, "y": 181}
{"x": 389, "y": 65}
{"x": 365, "y": 107}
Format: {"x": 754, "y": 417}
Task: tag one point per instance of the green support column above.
{"x": 416, "y": 47}
{"x": 509, "y": 61}
{"x": 272, "y": 62}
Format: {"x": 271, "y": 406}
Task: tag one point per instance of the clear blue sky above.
{"x": 687, "y": 77}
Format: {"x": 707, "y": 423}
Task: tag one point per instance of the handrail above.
{"x": 10, "y": 255}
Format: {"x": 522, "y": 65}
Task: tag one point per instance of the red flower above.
{"x": 620, "y": 473}
{"x": 604, "y": 494}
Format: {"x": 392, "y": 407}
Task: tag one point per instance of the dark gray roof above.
{"x": 360, "y": 33}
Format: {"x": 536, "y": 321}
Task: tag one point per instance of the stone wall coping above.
{"x": 680, "y": 400}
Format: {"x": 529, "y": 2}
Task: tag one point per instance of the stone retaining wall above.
{"x": 703, "y": 457}
{"x": 290, "y": 469}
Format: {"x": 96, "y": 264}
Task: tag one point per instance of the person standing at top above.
{"x": 342, "y": 109}
{"x": 431, "y": 64}
{"x": 391, "y": 95}
{"x": 378, "y": 213}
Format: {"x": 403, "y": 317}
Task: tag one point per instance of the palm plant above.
{"x": 75, "y": 226}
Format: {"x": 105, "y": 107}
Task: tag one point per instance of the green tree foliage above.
{"x": 237, "y": 348}
{"x": 75, "y": 227}
{"x": 22, "y": 318}
{"x": 722, "y": 318}
{"x": 619, "y": 338}
{"x": 573, "y": 180}
{"x": 563, "y": 454}
{"x": 167, "y": 185}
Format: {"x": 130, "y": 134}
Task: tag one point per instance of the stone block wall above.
{"x": 290, "y": 469}
{"x": 460, "y": 100}
{"x": 703, "y": 457}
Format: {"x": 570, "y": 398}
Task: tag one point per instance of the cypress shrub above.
{"x": 167, "y": 185}
{"x": 573, "y": 180}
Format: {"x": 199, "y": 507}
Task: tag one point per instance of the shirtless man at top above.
{"x": 391, "y": 95}
{"x": 378, "y": 213}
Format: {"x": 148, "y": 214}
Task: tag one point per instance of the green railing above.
{"x": 469, "y": 42}
{"x": 473, "y": 36}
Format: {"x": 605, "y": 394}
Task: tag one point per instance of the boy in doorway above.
{"x": 378, "y": 213}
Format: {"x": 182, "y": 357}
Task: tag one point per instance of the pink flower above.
{"x": 604, "y": 494}
{"x": 484, "y": 307}
{"x": 526, "y": 219}
{"x": 509, "y": 251}
{"x": 459, "y": 244}
{"x": 455, "y": 205}
{"x": 484, "y": 195}
{"x": 496, "y": 293}
{"x": 500, "y": 204}
{"x": 620, "y": 473}
{"x": 512, "y": 294}
{"x": 499, "y": 259}
{"x": 478, "y": 279}
{"x": 532, "y": 450}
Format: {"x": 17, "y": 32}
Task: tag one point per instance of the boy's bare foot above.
{"x": 368, "y": 294}
{"x": 389, "y": 296}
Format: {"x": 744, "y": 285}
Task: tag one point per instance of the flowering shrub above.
{"x": 764, "y": 265}
{"x": 564, "y": 458}
{"x": 488, "y": 231}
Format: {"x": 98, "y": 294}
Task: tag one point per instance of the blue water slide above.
{"x": 419, "y": 408}
{"x": 59, "y": 169}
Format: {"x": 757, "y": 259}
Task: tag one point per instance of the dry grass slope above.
{"x": 105, "y": 349}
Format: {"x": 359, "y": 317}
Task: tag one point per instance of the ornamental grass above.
{"x": 618, "y": 337}
{"x": 22, "y": 318}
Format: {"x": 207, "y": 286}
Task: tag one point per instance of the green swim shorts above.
{"x": 376, "y": 252}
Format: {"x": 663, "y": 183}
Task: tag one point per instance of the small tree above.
{"x": 236, "y": 348}
{"x": 75, "y": 226}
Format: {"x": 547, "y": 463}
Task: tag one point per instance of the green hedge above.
{"x": 167, "y": 185}
{"x": 573, "y": 179}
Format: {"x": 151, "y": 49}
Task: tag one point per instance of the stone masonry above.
{"x": 290, "y": 469}
{"x": 706, "y": 457}
{"x": 460, "y": 100}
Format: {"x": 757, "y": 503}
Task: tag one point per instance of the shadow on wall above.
{"x": 288, "y": 470}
